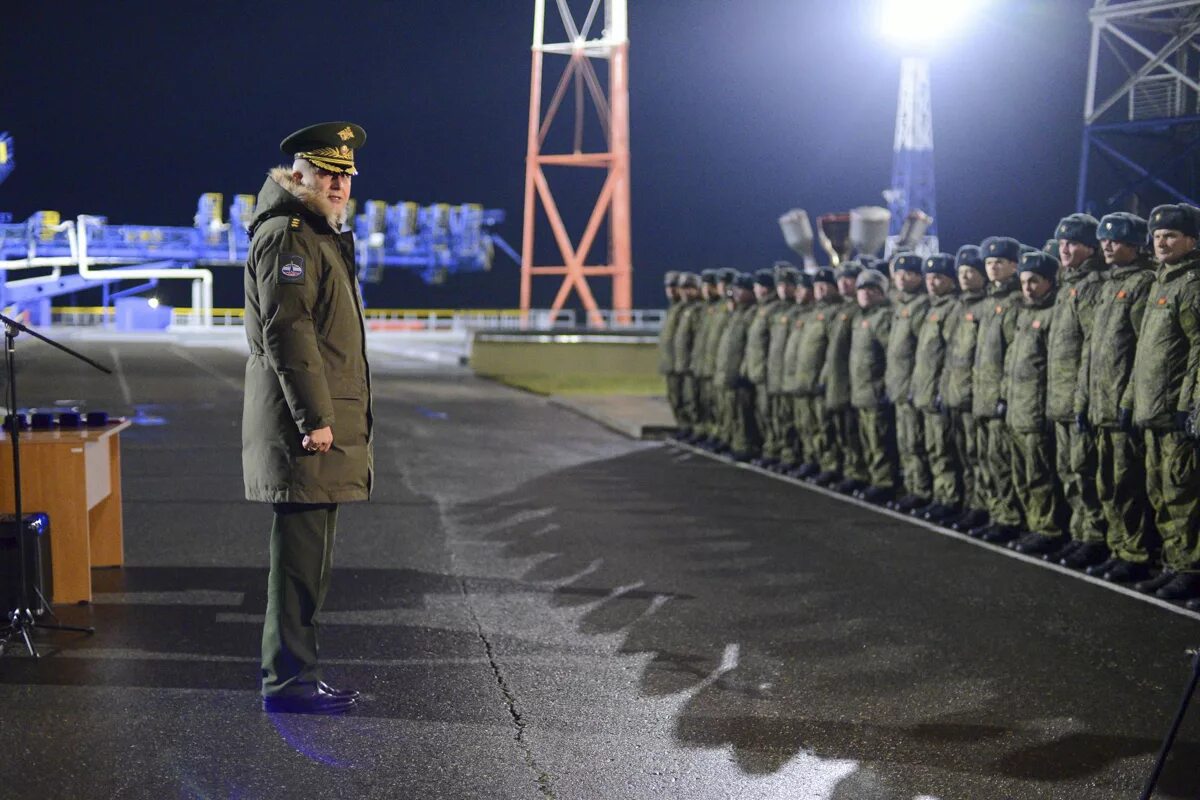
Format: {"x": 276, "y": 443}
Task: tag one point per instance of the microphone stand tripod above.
{"x": 1161, "y": 761}
{"x": 21, "y": 620}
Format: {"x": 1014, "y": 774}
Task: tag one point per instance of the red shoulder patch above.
{"x": 1121, "y": 295}
{"x": 1162, "y": 301}
{"x": 969, "y": 317}
{"x": 999, "y": 309}
{"x": 1037, "y": 323}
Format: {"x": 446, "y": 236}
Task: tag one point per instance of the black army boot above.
{"x": 1056, "y": 556}
{"x": 1184, "y": 586}
{"x": 1193, "y": 604}
{"x": 827, "y": 478}
{"x": 973, "y": 518}
{"x": 1122, "y": 571}
{"x": 1000, "y": 534}
{"x": 939, "y": 513}
{"x": 908, "y": 502}
{"x": 876, "y": 494}
{"x": 1085, "y": 555}
{"x": 1034, "y": 544}
{"x": 849, "y": 486}
{"x": 805, "y": 471}
{"x": 1152, "y": 585}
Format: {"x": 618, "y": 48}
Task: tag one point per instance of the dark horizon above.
{"x": 737, "y": 115}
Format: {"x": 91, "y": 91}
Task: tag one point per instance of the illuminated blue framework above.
{"x": 6, "y": 155}
{"x": 1141, "y": 175}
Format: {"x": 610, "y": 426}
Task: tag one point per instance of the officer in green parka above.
{"x": 754, "y": 361}
{"x": 1107, "y": 365}
{"x": 710, "y": 296}
{"x": 1025, "y": 389}
{"x": 306, "y": 422}
{"x": 687, "y": 324}
{"x": 804, "y": 360}
{"x": 910, "y": 304}
{"x": 782, "y": 449}
{"x": 739, "y": 430}
{"x": 840, "y": 417}
{"x": 868, "y": 391}
{"x": 1164, "y": 396}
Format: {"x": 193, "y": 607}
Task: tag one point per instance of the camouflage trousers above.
{"x": 763, "y": 418}
{"x": 1036, "y": 484}
{"x": 740, "y": 431}
{"x": 1173, "y": 488}
{"x": 812, "y": 434}
{"x": 689, "y": 402}
{"x": 1076, "y": 467}
{"x": 845, "y": 445}
{"x": 675, "y": 396}
{"x": 944, "y": 462}
{"x": 786, "y": 444}
{"x": 877, "y": 433}
{"x": 910, "y": 443}
{"x": 994, "y": 447}
{"x": 1121, "y": 489}
{"x": 966, "y": 443}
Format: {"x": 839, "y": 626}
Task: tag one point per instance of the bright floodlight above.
{"x": 152, "y": 302}
{"x": 923, "y": 22}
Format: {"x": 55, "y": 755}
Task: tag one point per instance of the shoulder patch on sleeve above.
{"x": 290, "y": 267}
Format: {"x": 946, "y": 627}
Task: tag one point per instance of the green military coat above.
{"x": 997, "y": 322}
{"x": 835, "y": 372}
{"x": 781, "y": 327}
{"x": 1168, "y": 349}
{"x": 758, "y": 342}
{"x": 1074, "y": 311}
{"x": 926, "y": 386}
{"x": 732, "y": 347}
{"x": 908, "y": 314}
{"x": 1026, "y": 366}
{"x": 1108, "y": 359}
{"x": 666, "y": 338}
{"x": 957, "y": 386}
{"x": 308, "y": 360}
{"x": 868, "y": 355}
{"x": 805, "y": 353}
{"x": 687, "y": 326}
{"x": 709, "y": 313}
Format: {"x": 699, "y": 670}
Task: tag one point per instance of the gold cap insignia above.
{"x": 345, "y": 134}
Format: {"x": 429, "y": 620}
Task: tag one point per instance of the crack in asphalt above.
{"x": 510, "y": 700}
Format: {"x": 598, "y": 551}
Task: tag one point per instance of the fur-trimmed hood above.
{"x": 311, "y": 200}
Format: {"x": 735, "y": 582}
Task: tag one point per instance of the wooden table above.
{"x": 74, "y": 476}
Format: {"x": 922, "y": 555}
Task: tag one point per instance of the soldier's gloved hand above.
{"x": 1081, "y": 423}
{"x": 1001, "y": 408}
{"x": 1125, "y": 419}
{"x": 938, "y": 405}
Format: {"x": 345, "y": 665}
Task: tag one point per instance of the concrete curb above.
{"x": 625, "y": 427}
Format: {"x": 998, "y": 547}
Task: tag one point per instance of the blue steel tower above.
{"x": 912, "y": 193}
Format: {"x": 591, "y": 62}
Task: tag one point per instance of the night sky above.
{"x": 739, "y": 111}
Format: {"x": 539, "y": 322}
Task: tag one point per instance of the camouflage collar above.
{"x": 1008, "y": 287}
{"x": 1169, "y": 272}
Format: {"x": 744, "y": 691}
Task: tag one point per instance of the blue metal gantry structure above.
{"x": 434, "y": 241}
{"x": 1142, "y": 107}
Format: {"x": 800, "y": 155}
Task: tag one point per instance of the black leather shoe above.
{"x": 973, "y": 518}
{"x": 909, "y": 502}
{"x": 876, "y": 494}
{"x": 1036, "y": 543}
{"x": 1056, "y": 556}
{"x": 1104, "y": 566}
{"x": 807, "y": 471}
{"x": 1152, "y": 585}
{"x": 1085, "y": 555}
{"x": 1123, "y": 571}
{"x": 316, "y": 701}
{"x": 1001, "y": 534}
{"x": 849, "y": 486}
{"x": 1193, "y": 604}
{"x": 827, "y": 478}
{"x": 327, "y": 689}
{"x": 941, "y": 514}
{"x": 1184, "y": 586}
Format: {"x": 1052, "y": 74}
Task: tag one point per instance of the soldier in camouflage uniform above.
{"x": 1083, "y": 275}
{"x": 720, "y": 314}
{"x": 687, "y": 325}
{"x": 804, "y": 359}
{"x": 784, "y": 451}
{"x": 774, "y": 431}
{"x": 994, "y": 444}
{"x": 957, "y": 385}
{"x": 666, "y": 342}
{"x": 941, "y": 282}
{"x": 910, "y": 304}
{"x": 739, "y": 432}
{"x": 1163, "y": 398}
{"x": 711, "y": 299}
{"x": 1107, "y": 364}
{"x": 868, "y": 391}
{"x": 1026, "y": 388}
{"x": 841, "y": 420}
{"x": 754, "y": 363}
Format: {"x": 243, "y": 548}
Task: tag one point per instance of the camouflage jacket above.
{"x": 732, "y": 347}
{"x": 805, "y": 353}
{"x": 835, "y": 372}
{"x": 868, "y": 355}
{"x": 908, "y": 314}
{"x": 997, "y": 322}
{"x": 960, "y": 350}
{"x": 926, "y": 388}
{"x": 687, "y": 326}
{"x": 781, "y": 327}
{"x": 1074, "y": 311}
{"x": 758, "y": 341}
{"x": 666, "y": 339}
{"x": 709, "y": 313}
{"x": 1026, "y": 365}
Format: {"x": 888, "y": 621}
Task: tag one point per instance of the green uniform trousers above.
{"x": 1035, "y": 483}
{"x": 910, "y": 442}
{"x": 675, "y": 396}
{"x": 877, "y": 432}
{"x": 746, "y": 438}
{"x": 725, "y": 406}
{"x": 845, "y": 444}
{"x": 689, "y": 402}
{"x": 787, "y": 447}
{"x": 1076, "y": 456}
{"x": 1173, "y": 488}
{"x": 301, "y": 566}
{"x": 966, "y": 449}
{"x": 995, "y": 443}
{"x": 1121, "y": 488}
{"x": 944, "y": 464}
{"x": 812, "y": 438}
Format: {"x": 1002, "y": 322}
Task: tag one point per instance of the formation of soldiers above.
{"x": 1044, "y": 399}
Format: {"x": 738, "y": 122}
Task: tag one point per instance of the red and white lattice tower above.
{"x": 612, "y": 111}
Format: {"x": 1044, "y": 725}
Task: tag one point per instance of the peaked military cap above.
{"x": 743, "y": 280}
{"x": 1042, "y": 264}
{"x": 671, "y": 278}
{"x": 869, "y": 278}
{"x": 328, "y": 145}
{"x": 726, "y": 275}
{"x": 765, "y": 277}
{"x": 1180, "y": 218}
{"x": 940, "y": 264}
{"x": 689, "y": 280}
{"x": 708, "y": 276}
{"x": 824, "y": 275}
{"x": 969, "y": 255}
{"x": 1001, "y": 247}
{"x": 910, "y": 262}
{"x": 1078, "y": 228}
{"x": 1121, "y": 226}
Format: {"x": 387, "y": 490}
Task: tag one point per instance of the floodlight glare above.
{"x": 923, "y": 22}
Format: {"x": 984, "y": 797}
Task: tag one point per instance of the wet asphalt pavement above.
{"x": 536, "y": 607}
